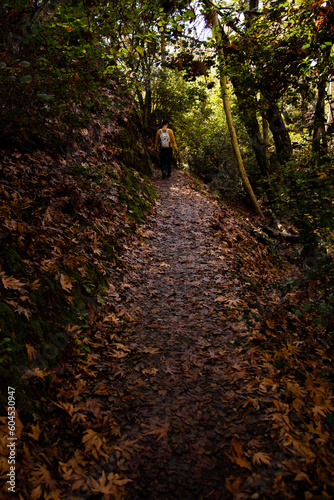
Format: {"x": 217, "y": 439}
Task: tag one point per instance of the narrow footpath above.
{"x": 173, "y": 399}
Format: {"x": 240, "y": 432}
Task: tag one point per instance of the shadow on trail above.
{"x": 180, "y": 384}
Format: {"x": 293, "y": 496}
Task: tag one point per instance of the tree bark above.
{"x": 280, "y": 134}
{"x": 259, "y": 146}
{"x": 148, "y": 102}
{"x": 319, "y": 139}
{"x": 163, "y": 49}
{"x": 249, "y": 118}
{"x": 228, "y": 114}
{"x": 265, "y": 129}
{"x": 319, "y": 142}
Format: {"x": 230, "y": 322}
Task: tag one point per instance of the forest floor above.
{"x": 198, "y": 380}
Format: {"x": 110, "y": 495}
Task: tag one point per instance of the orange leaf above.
{"x": 93, "y": 443}
{"x": 238, "y": 455}
{"x": 66, "y": 282}
{"x": 41, "y": 373}
{"x": 42, "y": 475}
{"x": 35, "y": 285}
{"x": 103, "y": 389}
{"x": 108, "y": 485}
{"x": 301, "y": 476}
{"x": 35, "y": 431}
{"x": 31, "y": 351}
{"x": 36, "y": 493}
{"x": 319, "y": 410}
{"x": 10, "y": 282}
{"x": 150, "y": 371}
{"x": 261, "y": 458}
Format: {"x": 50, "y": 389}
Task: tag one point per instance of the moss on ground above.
{"x": 137, "y": 193}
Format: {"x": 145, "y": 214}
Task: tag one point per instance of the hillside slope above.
{"x": 63, "y": 218}
{"x": 194, "y": 377}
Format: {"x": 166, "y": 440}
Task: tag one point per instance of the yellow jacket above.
{"x": 171, "y": 140}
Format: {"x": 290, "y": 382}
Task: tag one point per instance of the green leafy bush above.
{"x": 303, "y": 190}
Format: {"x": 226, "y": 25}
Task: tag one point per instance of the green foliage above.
{"x": 303, "y": 192}
{"x": 195, "y": 111}
{"x": 50, "y": 73}
{"x": 173, "y": 97}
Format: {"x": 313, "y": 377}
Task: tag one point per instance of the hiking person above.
{"x": 165, "y": 142}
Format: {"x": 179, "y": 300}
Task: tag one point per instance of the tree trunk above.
{"x": 228, "y": 114}
{"x": 259, "y": 146}
{"x": 319, "y": 139}
{"x": 251, "y": 123}
{"x": 265, "y": 128}
{"x": 319, "y": 142}
{"x": 253, "y": 4}
{"x": 141, "y": 101}
{"x": 148, "y": 103}
{"x": 330, "y": 111}
{"x": 280, "y": 134}
{"x": 163, "y": 49}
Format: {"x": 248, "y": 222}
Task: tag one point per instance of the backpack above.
{"x": 164, "y": 138}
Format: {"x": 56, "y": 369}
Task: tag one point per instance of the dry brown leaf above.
{"x": 36, "y": 431}
{"x": 161, "y": 430}
{"x": 261, "y": 458}
{"x": 108, "y": 485}
{"x": 93, "y": 442}
{"x": 66, "y": 282}
{"x": 31, "y": 351}
{"x": 23, "y": 311}
{"x": 238, "y": 455}
{"x": 150, "y": 371}
{"x": 302, "y": 476}
{"x": 10, "y": 282}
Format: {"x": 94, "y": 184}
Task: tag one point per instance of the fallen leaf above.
{"x": 30, "y": 351}
{"x": 10, "y": 282}
{"x": 36, "y": 431}
{"x": 160, "y": 430}
{"x": 66, "y": 282}
{"x": 238, "y": 455}
{"x": 261, "y": 458}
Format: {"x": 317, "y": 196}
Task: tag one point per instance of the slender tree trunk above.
{"x": 141, "y": 101}
{"x": 319, "y": 142}
{"x": 248, "y": 110}
{"x": 259, "y": 147}
{"x": 280, "y": 134}
{"x": 330, "y": 111}
{"x": 148, "y": 102}
{"x": 163, "y": 49}
{"x": 265, "y": 129}
{"x": 228, "y": 114}
{"x": 258, "y": 144}
{"x": 251, "y": 123}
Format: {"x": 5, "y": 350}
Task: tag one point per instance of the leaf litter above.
{"x": 198, "y": 381}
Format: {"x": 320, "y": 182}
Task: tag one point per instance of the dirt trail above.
{"x": 171, "y": 395}
{"x": 180, "y": 392}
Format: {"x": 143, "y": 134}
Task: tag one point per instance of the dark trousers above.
{"x": 166, "y": 160}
